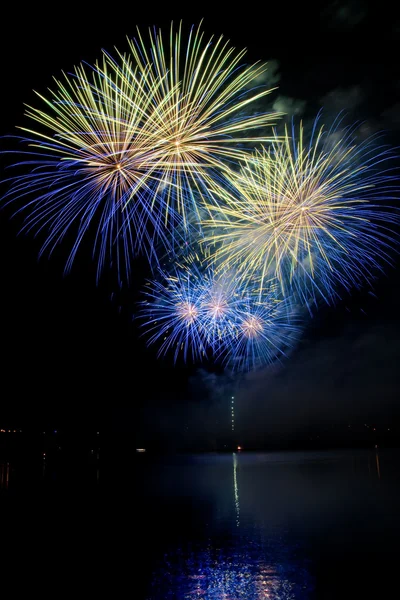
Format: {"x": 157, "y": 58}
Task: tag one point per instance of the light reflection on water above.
{"x": 236, "y": 490}
{"x": 44, "y": 472}
{"x": 4, "y": 475}
{"x": 242, "y": 570}
{"x": 280, "y": 526}
{"x": 283, "y": 526}
{"x": 238, "y": 566}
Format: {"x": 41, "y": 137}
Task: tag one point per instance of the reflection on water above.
{"x": 43, "y": 471}
{"x": 236, "y": 490}
{"x": 283, "y": 526}
{"x": 238, "y": 566}
{"x": 4, "y": 475}
{"x": 378, "y": 469}
{"x": 279, "y": 526}
{"x": 242, "y": 569}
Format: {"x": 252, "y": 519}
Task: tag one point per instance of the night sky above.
{"x": 71, "y": 355}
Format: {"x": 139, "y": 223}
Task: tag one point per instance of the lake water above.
{"x": 278, "y": 526}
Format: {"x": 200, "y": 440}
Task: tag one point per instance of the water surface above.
{"x": 282, "y": 526}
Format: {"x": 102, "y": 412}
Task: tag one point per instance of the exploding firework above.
{"x": 171, "y": 313}
{"x": 87, "y": 164}
{"x": 199, "y": 118}
{"x": 201, "y": 314}
{"x": 314, "y": 216}
{"x": 219, "y": 298}
{"x": 265, "y": 328}
{"x": 127, "y": 148}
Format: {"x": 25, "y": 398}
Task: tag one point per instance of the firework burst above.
{"x": 314, "y": 216}
{"x": 171, "y": 313}
{"x": 219, "y": 298}
{"x": 200, "y": 118}
{"x": 198, "y": 314}
{"x": 126, "y": 148}
{"x": 88, "y": 164}
{"x": 265, "y": 328}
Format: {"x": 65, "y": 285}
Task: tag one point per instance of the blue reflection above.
{"x": 242, "y": 569}
{"x": 237, "y": 563}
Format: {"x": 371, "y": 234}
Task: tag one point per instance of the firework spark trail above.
{"x": 199, "y": 121}
{"x": 195, "y": 312}
{"x": 171, "y": 314}
{"x": 265, "y": 328}
{"x": 89, "y": 164}
{"x": 130, "y": 147}
{"x": 313, "y": 216}
{"x": 149, "y": 151}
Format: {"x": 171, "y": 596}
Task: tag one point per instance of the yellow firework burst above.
{"x": 199, "y": 119}
{"x": 132, "y": 146}
{"x": 86, "y": 162}
{"x": 95, "y": 122}
{"x": 308, "y": 214}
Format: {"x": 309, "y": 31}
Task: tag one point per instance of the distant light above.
{"x": 233, "y": 397}
{"x": 239, "y": 447}
{"x": 55, "y": 431}
{"x": 140, "y": 449}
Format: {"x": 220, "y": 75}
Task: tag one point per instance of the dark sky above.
{"x": 70, "y": 353}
